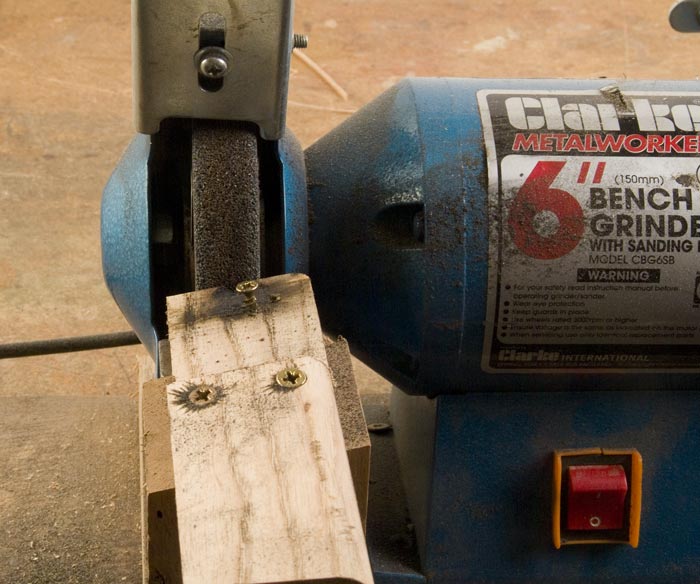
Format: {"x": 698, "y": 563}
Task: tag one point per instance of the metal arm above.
{"x": 250, "y": 44}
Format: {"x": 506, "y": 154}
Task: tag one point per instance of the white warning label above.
{"x": 594, "y": 231}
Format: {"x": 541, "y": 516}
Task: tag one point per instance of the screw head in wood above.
{"x": 195, "y": 397}
{"x": 247, "y": 288}
{"x": 290, "y": 378}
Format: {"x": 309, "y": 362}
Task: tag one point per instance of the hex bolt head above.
{"x": 290, "y": 378}
{"x": 213, "y": 62}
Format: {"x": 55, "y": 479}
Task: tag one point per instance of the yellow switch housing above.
{"x": 632, "y": 461}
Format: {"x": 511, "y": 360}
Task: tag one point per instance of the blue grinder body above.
{"x": 416, "y": 310}
{"x": 400, "y": 253}
{"x": 399, "y": 236}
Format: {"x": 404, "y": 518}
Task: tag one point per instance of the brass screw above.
{"x": 247, "y": 288}
{"x": 201, "y": 394}
{"x": 275, "y": 297}
{"x": 195, "y": 397}
{"x": 291, "y": 378}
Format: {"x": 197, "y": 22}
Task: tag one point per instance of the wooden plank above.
{"x": 203, "y": 340}
{"x": 263, "y": 485}
{"x": 164, "y": 358}
{"x": 146, "y": 371}
{"x": 352, "y": 420}
{"x": 160, "y": 545}
{"x": 160, "y": 548}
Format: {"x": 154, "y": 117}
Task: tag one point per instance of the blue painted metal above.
{"x": 415, "y": 311}
{"x": 370, "y": 163}
{"x": 477, "y": 460}
{"x": 483, "y": 503}
{"x": 296, "y": 222}
{"x": 126, "y": 262}
{"x": 390, "y": 534}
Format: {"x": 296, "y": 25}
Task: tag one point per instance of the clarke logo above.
{"x": 537, "y": 113}
{"x": 513, "y": 356}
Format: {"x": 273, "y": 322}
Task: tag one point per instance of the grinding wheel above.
{"x": 226, "y": 203}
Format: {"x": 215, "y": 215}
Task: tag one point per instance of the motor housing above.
{"x": 471, "y": 235}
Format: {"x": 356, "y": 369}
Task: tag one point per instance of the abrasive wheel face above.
{"x": 226, "y": 208}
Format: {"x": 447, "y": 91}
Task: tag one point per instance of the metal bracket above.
{"x": 168, "y": 37}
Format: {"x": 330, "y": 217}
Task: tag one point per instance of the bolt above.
{"x": 247, "y": 288}
{"x": 594, "y": 521}
{"x": 301, "y": 41}
{"x": 290, "y": 378}
{"x": 213, "y": 62}
{"x": 275, "y": 297}
{"x": 213, "y": 67}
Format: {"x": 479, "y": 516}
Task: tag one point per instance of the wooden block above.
{"x": 203, "y": 342}
{"x": 160, "y": 544}
{"x": 164, "y": 358}
{"x": 161, "y": 547}
{"x": 352, "y": 420}
{"x": 263, "y": 485}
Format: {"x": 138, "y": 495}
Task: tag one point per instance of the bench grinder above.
{"x": 521, "y": 258}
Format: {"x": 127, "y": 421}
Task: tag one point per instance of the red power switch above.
{"x": 596, "y": 497}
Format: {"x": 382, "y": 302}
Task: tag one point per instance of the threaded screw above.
{"x": 301, "y": 41}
